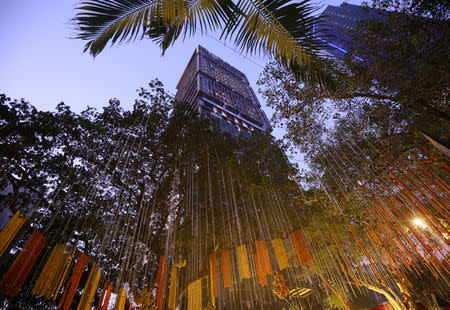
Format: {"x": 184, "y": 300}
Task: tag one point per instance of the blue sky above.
{"x": 39, "y": 61}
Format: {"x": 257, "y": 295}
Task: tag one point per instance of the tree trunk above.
{"x": 395, "y": 303}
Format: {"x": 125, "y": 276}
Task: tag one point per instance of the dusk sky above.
{"x": 42, "y": 64}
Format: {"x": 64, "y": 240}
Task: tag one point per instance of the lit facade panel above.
{"x": 336, "y": 25}
{"x": 221, "y": 93}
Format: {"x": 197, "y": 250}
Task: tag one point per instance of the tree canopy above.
{"x": 385, "y": 100}
{"x": 120, "y": 184}
{"x": 125, "y": 187}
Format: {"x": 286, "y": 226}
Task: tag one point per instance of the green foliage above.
{"x": 282, "y": 29}
{"x": 408, "y": 60}
{"x": 333, "y": 302}
{"x": 117, "y": 183}
{"x": 88, "y": 178}
{"x": 372, "y": 115}
{"x": 376, "y": 107}
{"x": 432, "y": 9}
{"x": 99, "y": 22}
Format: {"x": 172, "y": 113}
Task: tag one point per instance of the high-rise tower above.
{"x": 338, "y": 22}
{"x": 221, "y": 93}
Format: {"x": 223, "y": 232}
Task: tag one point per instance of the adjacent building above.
{"x": 336, "y": 25}
{"x": 221, "y": 93}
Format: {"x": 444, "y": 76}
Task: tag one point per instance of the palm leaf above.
{"x": 103, "y": 21}
{"x": 164, "y": 36}
{"x": 281, "y": 28}
{"x": 318, "y": 72}
{"x": 194, "y": 15}
{"x": 285, "y": 30}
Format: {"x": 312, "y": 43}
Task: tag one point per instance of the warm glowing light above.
{"x": 446, "y": 236}
{"x": 419, "y": 222}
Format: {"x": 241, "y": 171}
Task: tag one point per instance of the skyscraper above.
{"x": 337, "y": 23}
{"x": 221, "y": 93}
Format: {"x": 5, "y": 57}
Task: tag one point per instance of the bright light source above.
{"x": 419, "y": 222}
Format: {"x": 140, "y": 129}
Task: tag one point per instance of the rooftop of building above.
{"x": 200, "y": 49}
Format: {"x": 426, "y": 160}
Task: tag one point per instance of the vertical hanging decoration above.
{"x": 48, "y": 271}
{"x": 300, "y": 247}
{"x": 244, "y": 266}
{"x": 195, "y": 295}
{"x": 226, "y": 272}
{"x": 262, "y": 279}
{"x": 263, "y": 256}
{"x": 102, "y": 295}
{"x": 63, "y": 276}
{"x": 161, "y": 283}
{"x": 280, "y": 253}
{"x": 121, "y": 299}
{"x": 14, "y": 278}
{"x": 344, "y": 258}
{"x": 213, "y": 276}
{"x": 10, "y": 230}
{"x": 90, "y": 288}
{"x": 103, "y": 302}
{"x": 107, "y": 297}
{"x": 54, "y": 271}
{"x": 172, "y": 302}
{"x": 66, "y": 299}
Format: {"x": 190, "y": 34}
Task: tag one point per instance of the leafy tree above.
{"x": 368, "y": 120}
{"x": 128, "y": 186}
{"x": 408, "y": 64}
{"x": 91, "y": 173}
{"x": 384, "y": 101}
{"x": 431, "y": 9}
{"x": 118, "y": 184}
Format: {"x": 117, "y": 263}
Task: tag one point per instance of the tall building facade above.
{"x": 221, "y": 93}
{"x": 337, "y": 23}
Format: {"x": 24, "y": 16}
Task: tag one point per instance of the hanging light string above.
{"x": 337, "y": 174}
{"x": 41, "y": 201}
{"x": 410, "y": 228}
{"x": 237, "y": 232}
{"x": 58, "y": 233}
{"x": 93, "y": 188}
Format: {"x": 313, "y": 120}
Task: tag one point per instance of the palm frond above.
{"x": 192, "y": 16}
{"x": 317, "y": 72}
{"x": 164, "y": 36}
{"x": 103, "y": 21}
{"x": 281, "y": 28}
